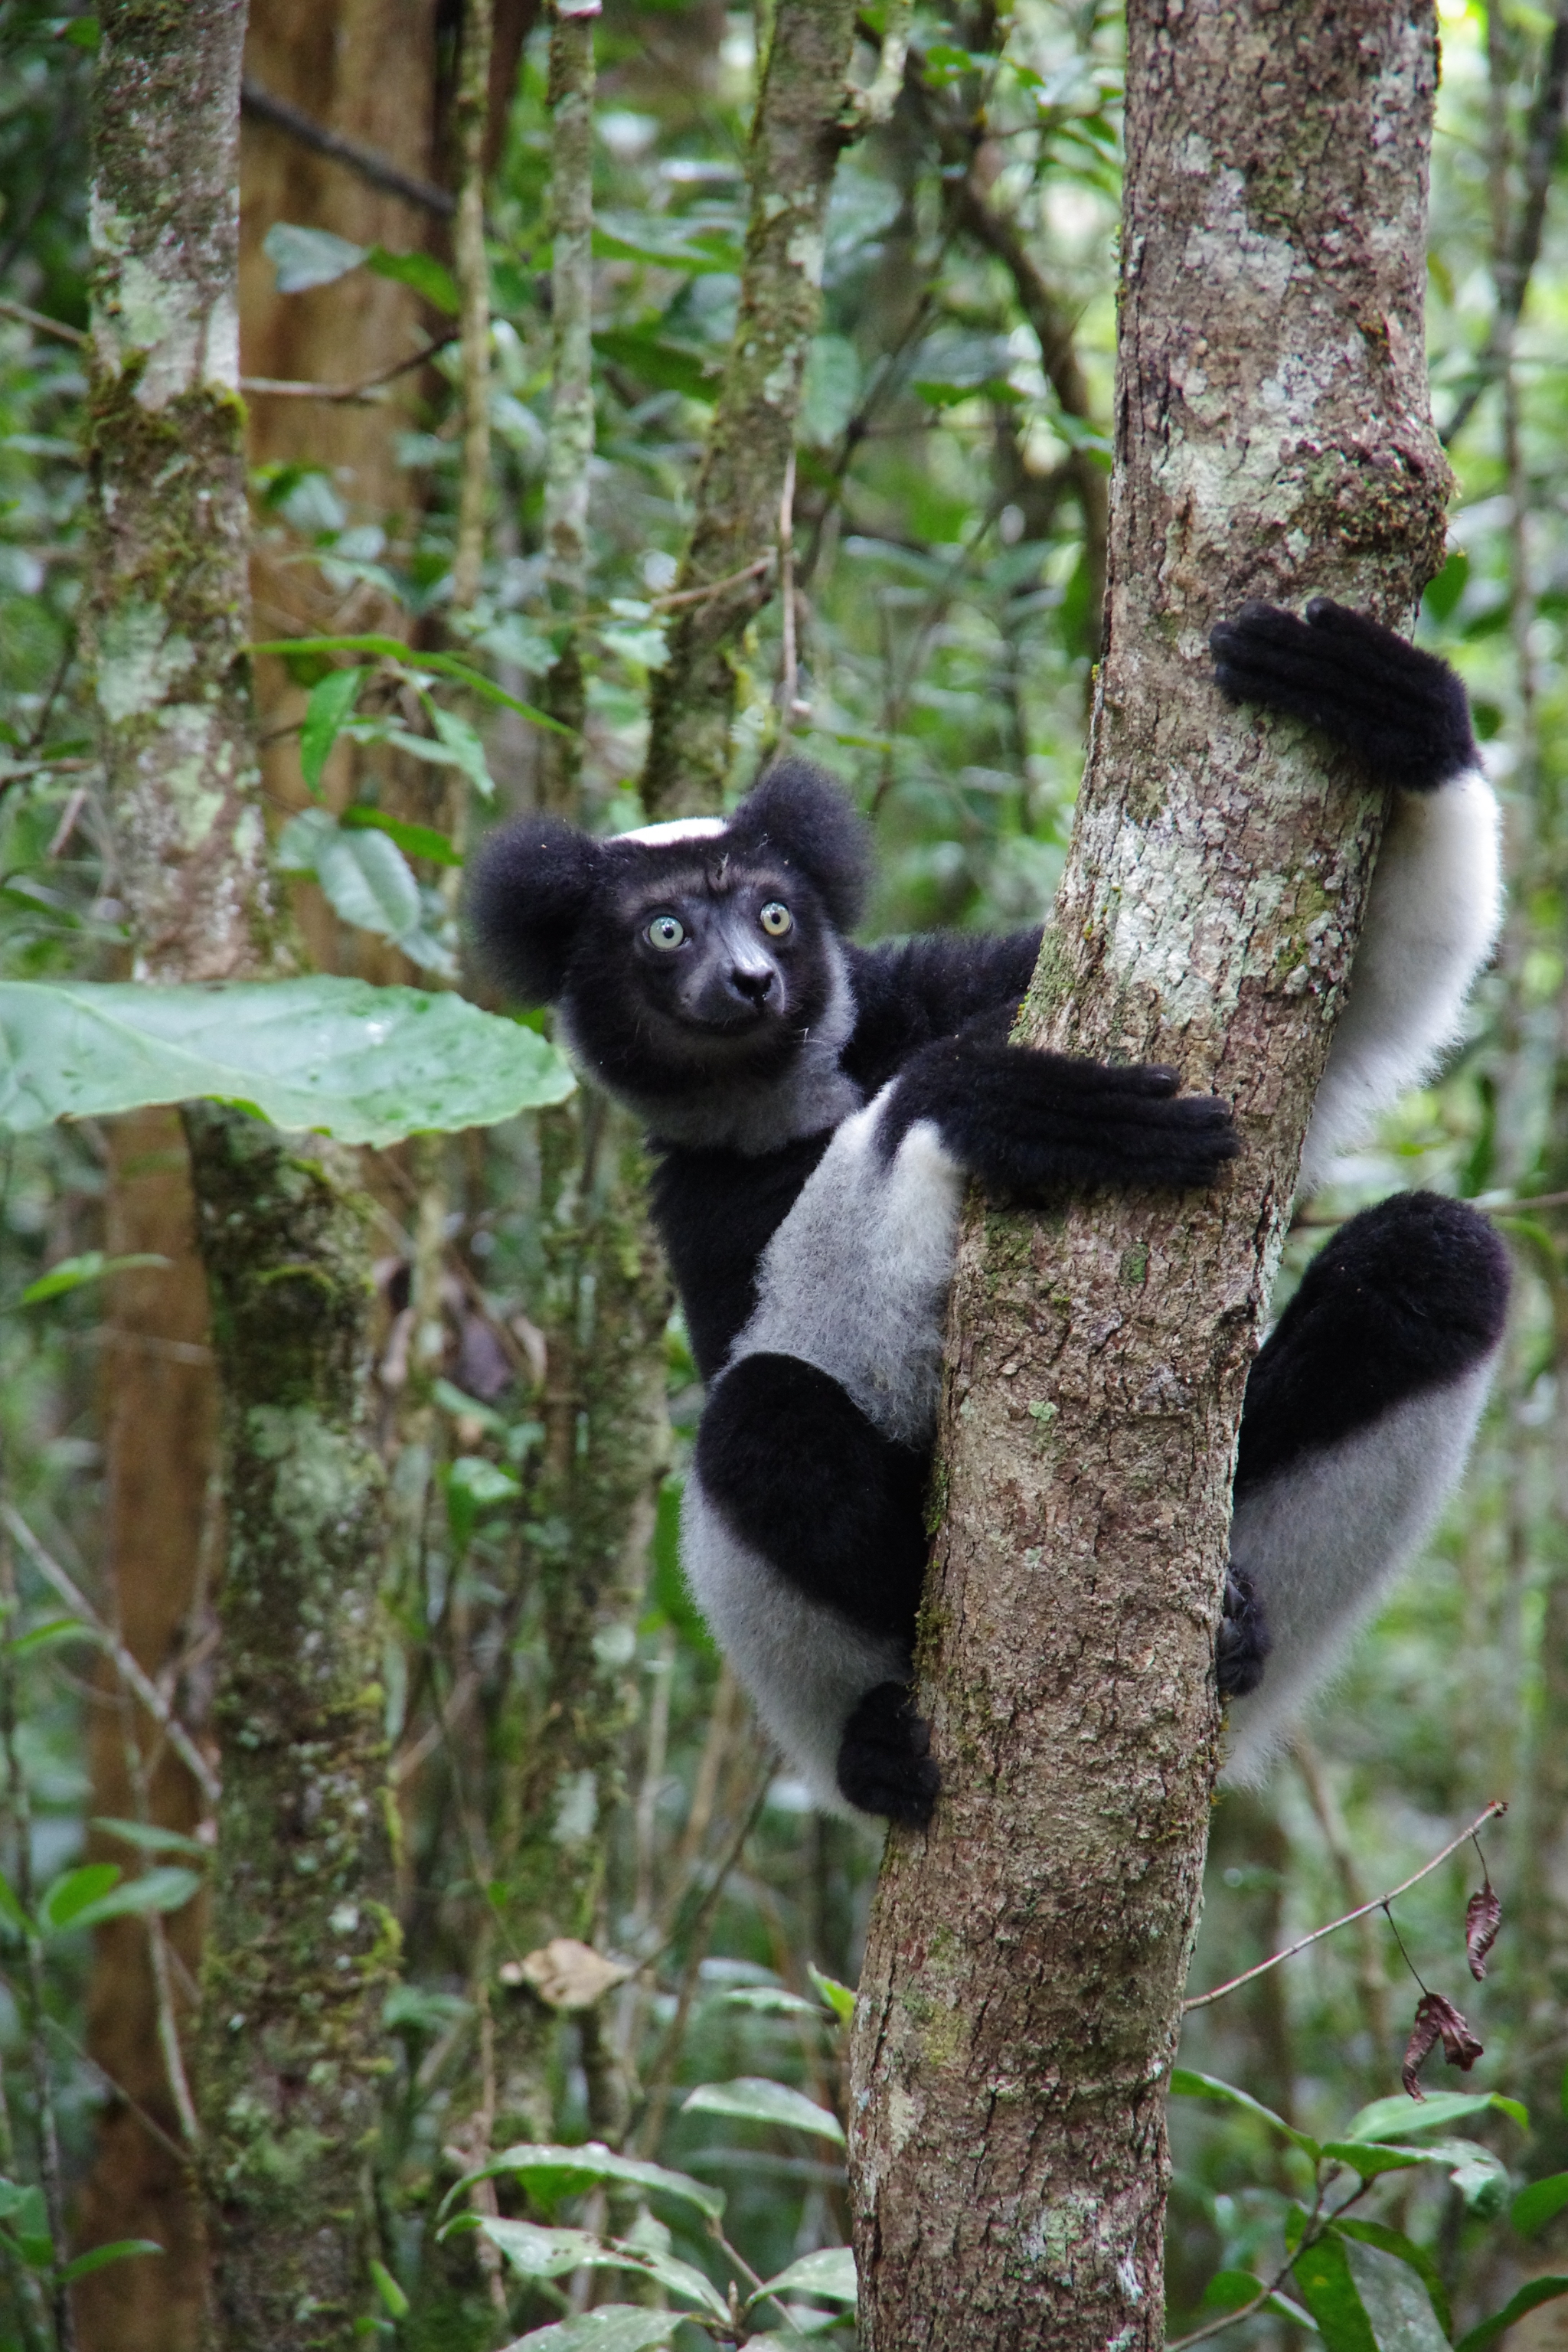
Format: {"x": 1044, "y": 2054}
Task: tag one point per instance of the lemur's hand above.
{"x": 1402, "y": 712}
{"x": 1242, "y": 1645}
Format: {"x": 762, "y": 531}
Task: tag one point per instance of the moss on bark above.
{"x": 302, "y": 1945}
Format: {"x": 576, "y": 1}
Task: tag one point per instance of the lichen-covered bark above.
{"x": 802, "y": 119}
{"x": 591, "y": 1518}
{"x": 571, "y": 446}
{"x": 472, "y": 113}
{"x": 1019, "y": 2000}
{"x": 167, "y": 611}
{"x": 302, "y": 1943}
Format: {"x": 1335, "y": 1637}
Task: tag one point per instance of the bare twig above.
{"x": 1497, "y": 1807}
{"x": 40, "y": 323}
{"x": 378, "y": 169}
{"x": 147, "y": 1691}
{"x": 284, "y": 388}
{"x": 676, "y": 597}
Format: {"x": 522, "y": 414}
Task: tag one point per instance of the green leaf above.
{"x": 838, "y": 1996}
{"x": 1480, "y": 2177}
{"x": 332, "y": 697}
{"x": 363, "y": 873}
{"x": 769, "y": 2001}
{"x": 76, "y": 1891}
{"x": 394, "y": 649}
{"x": 309, "y": 257}
{"x": 665, "y": 367}
{"x": 1327, "y": 2288}
{"x": 90, "y": 1266}
{"x": 755, "y": 2100}
{"x": 550, "y": 2173}
{"x": 44, "y": 1637}
{"x": 613, "y": 2327}
{"x": 98, "y": 2258}
{"x": 1185, "y": 2084}
{"x": 1376, "y": 2156}
{"x": 482, "y": 1481}
{"x": 387, "y": 2286}
{"x": 1404, "y": 2250}
{"x": 414, "y": 840}
{"x": 668, "y": 243}
{"x": 168, "y": 1888}
{"x": 540, "y": 2252}
{"x": 464, "y": 747}
{"x": 828, "y": 2275}
{"x": 367, "y": 1065}
{"x": 1445, "y": 591}
{"x": 150, "y": 1838}
{"x": 1399, "y": 2118}
{"x": 11, "y": 1910}
{"x": 1535, "y": 2206}
{"x": 1529, "y": 2298}
{"x": 428, "y": 277}
{"x": 1392, "y": 2292}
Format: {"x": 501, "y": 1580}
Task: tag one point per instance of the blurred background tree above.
{"x": 941, "y": 564}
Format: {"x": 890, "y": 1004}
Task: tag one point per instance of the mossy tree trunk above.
{"x": 805, "y": 116}
{"x": 1021, "y": 1992}
{"x": 299, "y": 1943}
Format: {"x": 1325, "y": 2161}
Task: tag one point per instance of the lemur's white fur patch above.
{"x": 676, "y": 828}
{"x": 1432, "y": 921}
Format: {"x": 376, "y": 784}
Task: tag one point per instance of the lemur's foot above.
{"x": 1402, "y": 712}
{"x": 1242, "y": 1645}
{"x": 885, "y": 1763}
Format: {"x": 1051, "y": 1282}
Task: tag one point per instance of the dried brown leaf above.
{"x": 1436, "y": 2015}
{"x": 1419, "y": 2048}
{"x": 1483, "y": 1917}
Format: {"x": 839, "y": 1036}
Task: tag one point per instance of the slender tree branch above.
{"x": 1518, "y": 263}
{"x": 378, "y": 169}
{"x": 283, "y": 387}
{"x": 474, "y": 291}
{"x": 40, "y": 322}
{"x": 126, "y": 1665}
{"x": 1497, "y": 1807}
{"x": 571, "y": 443}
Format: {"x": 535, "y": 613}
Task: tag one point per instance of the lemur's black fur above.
{"x": 815, "y": 1108}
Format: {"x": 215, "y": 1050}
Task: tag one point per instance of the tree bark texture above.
{"x": 571, "y": 449}
{"x": 167, "y": 613}
{"x": 805, "y": 116}
{"x": 159, "y": 1449}
{"x": 302, "y": 1943}
{"x": 1020, "y": 1997}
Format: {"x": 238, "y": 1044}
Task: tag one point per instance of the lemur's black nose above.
{"x": 751, "y": 980}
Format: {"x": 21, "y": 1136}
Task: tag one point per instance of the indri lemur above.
{"x": 816, "y": 1108}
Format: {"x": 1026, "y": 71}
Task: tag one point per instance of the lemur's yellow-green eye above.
{"x": 666, "y": 932}
{"x": 776, "y": 919}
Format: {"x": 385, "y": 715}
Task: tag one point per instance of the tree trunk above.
{"x": 802, "y": 123}
{"x": 300, "y": 1942}
{"x": 159, "y": 1439}
{"x": 1021, "y": 1992}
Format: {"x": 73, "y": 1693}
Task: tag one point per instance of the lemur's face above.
{"x": 715, "y": 965}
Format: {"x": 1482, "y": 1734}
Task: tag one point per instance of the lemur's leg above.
{"x": 811, "y": 1458}
{"x": 1436, "y": 903}
{"x": 1360, "y": 1412}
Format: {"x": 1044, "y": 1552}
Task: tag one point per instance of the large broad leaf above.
{"x": 1185, "y": 2084}
{"x": 828, "y": 2275}
{"x": 1327, "y": 2288}
{"x": 1404, "y": 2250}
{"x": 613, "y": 2327}
{"x": 757, "y": 2101}
{"x": 1401, "y": 2118}
{"x": 550, "y": 2173}
{"x": 367, "y": 1065}
{"x": 1529, "y": 2298}
{"x": 1394, "y": 2295}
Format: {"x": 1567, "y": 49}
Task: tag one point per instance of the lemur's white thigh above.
{"x": 1432, "y": 921}
{"x": 805, "y": 1667}
{"x": 1324, "y": 1540}
{"x": 855, "y": 1278}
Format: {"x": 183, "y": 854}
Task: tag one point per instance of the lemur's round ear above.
{"x": 528, "y": 890}
{"x": 799, "y": 811}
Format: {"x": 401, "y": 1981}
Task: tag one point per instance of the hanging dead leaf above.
{"x": 1436, "y": 2015}
{"x": 1483, "y": 1917}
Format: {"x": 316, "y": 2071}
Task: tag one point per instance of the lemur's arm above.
{"x": 1435, "y": 907}
{"x": 909, "y": 994}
